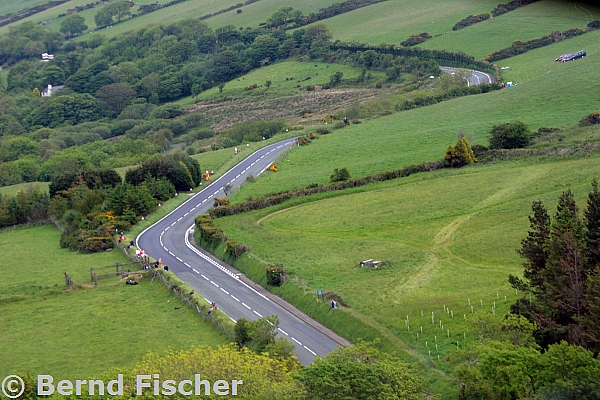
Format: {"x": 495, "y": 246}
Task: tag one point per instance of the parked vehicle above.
{"x": 579, "y": 54}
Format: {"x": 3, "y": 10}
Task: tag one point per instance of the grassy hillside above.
{"x": 525, "y": 23}
{"x": 14, "y": 189}
{"x": 395, "y": 20}
{"x": 48, "y": 330}
{"x": 447, "y": 237}
{"x": 555, "y": 99}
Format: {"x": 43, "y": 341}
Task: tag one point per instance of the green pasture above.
{"x": 7, "y": 7}
{"x": 395, "y": 20}
{"x": 447, "y": 237}
{"x": 539, "y": 64}
{"x": 88, "y": 330}
{"x": 44, "y": 15}
{"x": 286, "y": 78}
{"x": 555, "y": 99}
{"x": 14, "y": 189}
{"x": 525, "y": 23}
{"x": 253, "y": 14}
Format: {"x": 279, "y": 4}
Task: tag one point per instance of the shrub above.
{"x": 340, "y": 174}
{"x": 459, "y": 155}
{"x": 510, "y": 135}
{"x": 591, "y": 119}
{"x": 595, "y": 24}
{"x": 302, "y": 141}
{"x": 276, "y": 275}
{"x": 235, "y": 249}
{"x": 470, "y": 20}
{"x": 339, "y": 125}
{"x": 323, "y": 131}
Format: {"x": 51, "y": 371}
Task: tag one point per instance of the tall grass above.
{"x": 87, "y": 330}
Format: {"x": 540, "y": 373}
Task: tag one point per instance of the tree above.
{"x": 340, "y": 174}
{"x": 459, "y": 155}
{"x": 73, "y": 25}
{"x": 360, "y": 372}
{"x": 121, "y": 9}
{"x": 560, "y": 273}
{"x": 510, "y": 135}
{"x": 104, "y": 16}
{"x": 117, "y": 96}
{"x": 264, "y": 50}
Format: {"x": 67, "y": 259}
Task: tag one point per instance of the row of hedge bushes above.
{"x": 10, "y": 18}
{"x": 224, "y": 10}
{"x": 444, "y": 57}
{"x": 520, "y": 47}
{"x": 470, "y": 20}
{"x": 278, "y": 198}
{"x": 512, "y": 5}
{"x": 457, "y": 91}
{"x": 416, "y": 39}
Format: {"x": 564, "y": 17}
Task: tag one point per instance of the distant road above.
{"x": 476, "y": 78}
{"x": 237, "y": 296}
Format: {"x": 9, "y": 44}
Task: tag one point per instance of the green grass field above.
{"x": 395, "y": 20}
{"x": 14, "y": 189}
{"x": 447, "y": 237}
{"x": 285, "y": 78}
{"x": 423, "y": 134}
{"x": 8, "y": 7}
{"x": 526, "y": 23}
{"x": 89, "y": 330}
{"x": 44, "y": 15}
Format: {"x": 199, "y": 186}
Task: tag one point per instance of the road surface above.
{"x": 171, "y": 239}
{"x": 476, "y": 77}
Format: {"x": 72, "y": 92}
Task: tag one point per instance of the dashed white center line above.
{"x": 214, "y": 283}
{"x": 224, "y": 290}
{"x": 171, "y": 253}
{"x": 247, "y": 306}
{"x": 216, "y": 192}
{"x": 192, "y": 209}
{"x": 282, "y": 331}
{"x": 185, "y": 215}
{"x": 312, "y": 352}
{"x": 180, "y": 218}
{"x": 296, "y": 341}
{"x": 195, "y": 271}
{"x": 173, "y": 223}
{"x": 204, "y": 277}
{"x": 187, "y": 265}
{"x": 238, "y": 175}
{"x": 167, "y": 228}
{"x": 235, "y": 298}
{"x": 254, "y": 311}
{"x": 179, "y": 259}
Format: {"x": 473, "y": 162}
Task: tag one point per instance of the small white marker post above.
{"x": 496, "y": 296}
{"x": 426, "y": 344}
{"x": 465, "y": 315}
{"x": 435, "y": 338}
{"x": 471, "y": 309}
{"x": 448, "y": 332}
{"x": 421, "y": 329}
{"x": 452, "y": 313}
{"x": 432, "y": 320}
{"x": 436, "y": 347}
{"x": 481, "y": 302}
{"x": 422, "y": 311}
{"x": 469, "y": 300}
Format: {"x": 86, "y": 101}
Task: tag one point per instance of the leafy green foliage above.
{"x": 560, "y": 263}
{"x": 510, "y": 135}
{"x": 459, "y": 155}
{"x": 360, "y": 372}
{"x": 73, "y": 25}
{"x": 340, "y": 174}
{"x": 276, "y": 275}
{"x": 181, "y": 170}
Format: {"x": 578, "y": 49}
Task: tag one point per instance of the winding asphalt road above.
{"x": 476, "y": 77}
{"x": 171, "y": 239}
